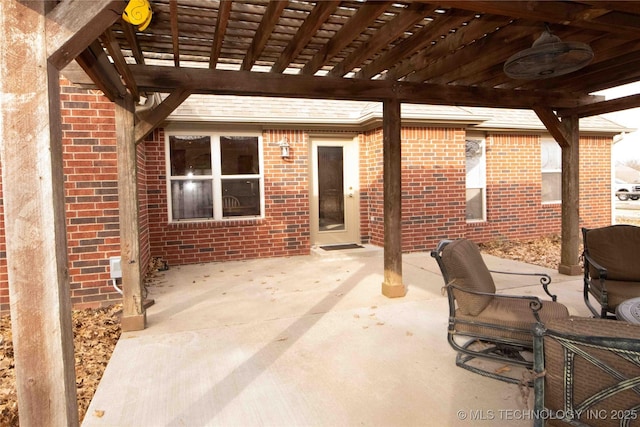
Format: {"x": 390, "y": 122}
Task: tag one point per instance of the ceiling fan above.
{"x": 548, "y": 57}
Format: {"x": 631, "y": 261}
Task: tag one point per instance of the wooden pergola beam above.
{"x": 365, "y": 15}
{"x": 317, "y": 17}
{"x": 226, "y": 82}
{"x": 224, "y": 10}
{"x": 544, "y": 11}
{"x": 604, "y": 107}
{"x": 120, "y": 63}
{"x": 269, "y": 20}
{"x": 555, "y": 127}
{"x": 73, "y": 24}
{"x": 175, "y": 31}
{"x": 393, "y": 59}
{"x": 96, "y": 64}
{"x": 132, "y": 40}
{"x": 414, "y": 13}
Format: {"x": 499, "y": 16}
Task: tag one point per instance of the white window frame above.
{"x": 216, "y": 176}
{"x": 548, "y": 140}
{"x": 482, "y": 179}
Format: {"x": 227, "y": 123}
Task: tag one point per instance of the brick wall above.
{"x": 595, "y": 182}
{"x": 371, "y": 188}
{"x": 91, "y": 193}
{"x": 91, "y": 199}
{"x": 143, "y": 209}
{"x": 370, "y": 157}
{"x": 514, "y": 185}
{"x": 284, "y": 231}
{"x": 433, "y": 186}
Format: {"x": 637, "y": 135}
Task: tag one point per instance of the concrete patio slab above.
{"x": 306, "y": 341}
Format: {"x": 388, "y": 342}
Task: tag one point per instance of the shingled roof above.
{"x": 361, "y": 114}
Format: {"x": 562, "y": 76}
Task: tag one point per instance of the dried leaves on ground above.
{"x": 96, "y": 332}
{"x": 544, "y": 251}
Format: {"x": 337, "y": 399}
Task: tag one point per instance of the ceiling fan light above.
{"x": 548, "y": 57}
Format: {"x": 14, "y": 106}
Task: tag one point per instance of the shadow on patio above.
{"x": 306, "y": 341}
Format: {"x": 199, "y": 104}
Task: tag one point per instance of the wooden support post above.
{"x": 392, "y": 285}
{"x": 570, "y": 199}
{"x": 567, "y": 134}
{"x": 134, "y": 316}
{"x": 34, "y": 213}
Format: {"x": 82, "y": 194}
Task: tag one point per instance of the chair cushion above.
{"x": 467, "y": 269}
{"x": 511, "y": 313}
{"x": 617, "y": 291}
{"x": 615, "y": 248}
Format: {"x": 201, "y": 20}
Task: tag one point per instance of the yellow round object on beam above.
{"x": 138, "y": 12}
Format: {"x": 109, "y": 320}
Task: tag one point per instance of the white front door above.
{"x": 335, "y": 214}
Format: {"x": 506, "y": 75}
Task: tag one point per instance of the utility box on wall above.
{"x": 115, "y": 268}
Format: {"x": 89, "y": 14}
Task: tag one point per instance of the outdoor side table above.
{"x": 629, "y": 311}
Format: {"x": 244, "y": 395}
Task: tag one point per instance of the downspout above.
{"x": 150, "y": 103}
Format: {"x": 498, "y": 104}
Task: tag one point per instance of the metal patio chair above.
{"x": 482, "y": 323}
{"x": 611, "y": 267}
{"x": 587, "y": 373}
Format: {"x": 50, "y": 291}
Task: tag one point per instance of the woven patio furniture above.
{"x": 611, "y": 267}
{"x": 482, "y": 323}
{"x": 587, "y": 373}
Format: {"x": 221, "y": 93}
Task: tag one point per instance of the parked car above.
{"x": 626, "y": 191}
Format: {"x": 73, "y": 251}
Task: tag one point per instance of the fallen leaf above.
{"x": 503, "y": 369}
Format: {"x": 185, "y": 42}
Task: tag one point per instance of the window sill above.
{"x": 217, "y": 223}
{"x": 476, "y": 221}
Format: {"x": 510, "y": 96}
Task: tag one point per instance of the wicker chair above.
{"x": 611, "y": 267}
{"x": 587, "y": 373}
{"x": 483, "y": 324}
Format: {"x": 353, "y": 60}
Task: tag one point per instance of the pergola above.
{"x": 394, "y": 52}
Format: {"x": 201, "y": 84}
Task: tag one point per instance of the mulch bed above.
{"x": 544, "y": 251}
{"x": 96, "y": 332}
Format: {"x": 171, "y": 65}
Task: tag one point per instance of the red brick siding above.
{"x": 433, "y": 186}
{"x": 143, "y": 210}
{"x": 595, "y": 182}
{"x": 368, "y": 155}
{"x": 514, "y": 181}
{"x": 373, "y": 188}
{"x": 91, "y": 194}
{"x": 284, "y": 231}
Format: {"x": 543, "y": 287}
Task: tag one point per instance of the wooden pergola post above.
{"x": 34, "y": 212}
{"x": 133, "y": 311}
{"x": 569, "y": 251}
{"x": 567, "y": 134}
{"x": 392, "y": 159}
